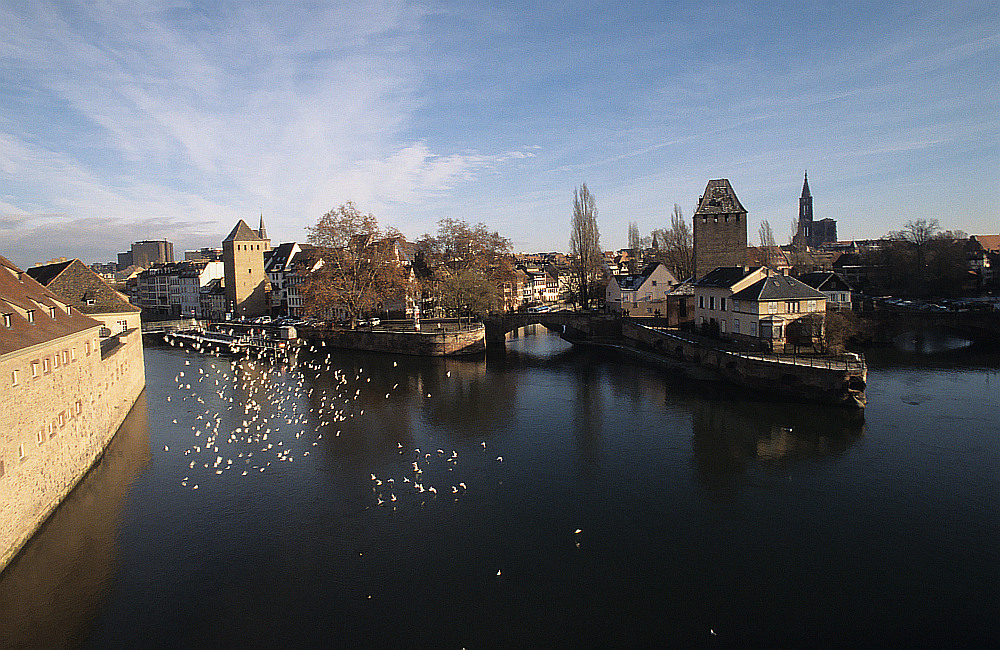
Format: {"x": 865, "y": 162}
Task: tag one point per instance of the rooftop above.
{"x": 81, "y": 287}
{"x": 19, "y": 294}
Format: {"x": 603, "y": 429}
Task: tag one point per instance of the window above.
{"x": 701, "y": 302}
{"x": 62, "y": 418}
{"x": 79, "y": 407}
{"x": 68, "y": 311}
{"x": 753, "y": 328}
{"x": 777, "y": 330}
{"x": 31, "y": 315}
{"x": 722, "y": 326}
{"x": 65, "y": 357}
{"x": 711, "y": 302}
{"x": 736, "y": 305}
{"x": 45, "y": 364}
{"x": 812, "y": 305}
{"x": 772, "y": 307}
{"x": 13, "y": 377}
{"x": 792, "y": 306}
{"x": 40, "y": 437}
{"x": 20, "y": 452}
{"x": 34, "y": 368}
{"x": 52, "y": 312}
{"x": 55, "y": 360}
{"x": 86, "y": 347}
{"x": 72, "y": 354}
{"x": 722, "y": 304}
{"x": 6, "y": 320}
{"x": 52, "y": 430}
{"x": 736, "y": 326}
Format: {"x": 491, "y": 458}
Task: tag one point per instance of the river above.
{"x": 579, "y": 499}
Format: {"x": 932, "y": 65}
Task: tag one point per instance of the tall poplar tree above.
{"x": 585, "y": 244}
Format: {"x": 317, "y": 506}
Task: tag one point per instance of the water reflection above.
{"x": 929, "y": 342}
{"x": 732, "y": 438}
{"x": 51, "y": 591}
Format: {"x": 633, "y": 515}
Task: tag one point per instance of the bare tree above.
{"x": 675, "y": 245}
{"x": 361, "y": 266}
{"x": 767, "y": 245}
{"x": 585, "y": 244}
{"x": 634, "y": 238}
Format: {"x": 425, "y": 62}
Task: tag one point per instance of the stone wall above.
{"x": 55, "y": 425}
{"x": 430, "y": 344}
{"x": 820, "y": 380}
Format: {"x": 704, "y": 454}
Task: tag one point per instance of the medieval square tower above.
{"x": 243, "y": 257}
{"x": 720, "y": 229}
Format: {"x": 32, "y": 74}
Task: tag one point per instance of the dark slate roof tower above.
{"x": 720, "y": 229}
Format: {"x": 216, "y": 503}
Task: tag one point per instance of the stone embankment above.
{"x": 828, "y": 380}
{"x": 429, "y": 343}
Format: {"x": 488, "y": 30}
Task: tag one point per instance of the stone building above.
{"x": 720, "y": 229}
{"x": 65, "y": 389}
{"x": 86, "y": 291}
{"x": 246, "y": 282}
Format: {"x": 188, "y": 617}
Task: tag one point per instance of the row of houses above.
{"x": 755, "y": 306}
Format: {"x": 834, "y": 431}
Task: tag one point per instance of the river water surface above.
{"x": 547, "y": 496}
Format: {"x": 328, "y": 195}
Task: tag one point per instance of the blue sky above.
{"x": 129, "y": 120}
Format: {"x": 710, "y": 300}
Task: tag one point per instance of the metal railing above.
{"x": 771, "y": 357}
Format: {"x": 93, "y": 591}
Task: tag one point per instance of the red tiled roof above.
{"x": 989, "y": 242}
{"x": 19, "y": 292}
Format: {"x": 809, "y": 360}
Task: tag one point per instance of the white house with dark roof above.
{"x": 757, "y": 306}
{"x": 777, "y": 311}
{"x": 713, "y": 307}
{"x": 642, "y": 294}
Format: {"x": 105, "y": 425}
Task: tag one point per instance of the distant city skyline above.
{"x": 152, "y": 120}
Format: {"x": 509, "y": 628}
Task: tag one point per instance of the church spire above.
{"x": 262, "y": 231}
{"x": 805, "y": 187}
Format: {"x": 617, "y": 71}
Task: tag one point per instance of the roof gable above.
{"x": 778, "y": 287}
{"x": 45, "y": 273}
{"x": 719, "y": 198}
{"x": 242, "y": 232}
{"x": 825, "y": 281}
{"x": 84, "y": 289}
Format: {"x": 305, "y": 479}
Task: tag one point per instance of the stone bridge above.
{"x": 572, "y": 325}
{"x": 883, "y": 325}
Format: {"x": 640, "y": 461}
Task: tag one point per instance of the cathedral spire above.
{"x": 805, "y": 187}
{"x": 262, "y": 231}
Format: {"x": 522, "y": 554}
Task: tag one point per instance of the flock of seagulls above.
{"x": 251, "y": 423}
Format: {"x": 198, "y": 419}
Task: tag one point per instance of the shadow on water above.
{"x": 52, "y": 590}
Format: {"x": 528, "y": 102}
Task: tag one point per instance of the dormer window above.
{"x": 7, "y": 320}
{"x": 52, "y": 312}
{"x": 31, "y": 315}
